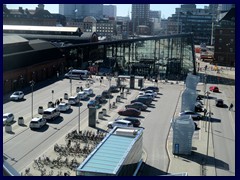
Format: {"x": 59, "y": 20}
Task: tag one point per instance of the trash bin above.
{"x": 8, "y": 128}
{"x": 114, "y": 105}
{"x": 104, "y": 112}
{"x": 40, "y": 110}
{"x": 100, "y": 115}
{"x": 20, "y": 121}
{"x": 65, "y": 95}
{"x": 77, "y": 89}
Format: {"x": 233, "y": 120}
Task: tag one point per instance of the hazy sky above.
{"x": 122, "y": 9}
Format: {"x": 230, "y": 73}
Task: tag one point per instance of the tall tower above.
{"x": 140, "y": 14}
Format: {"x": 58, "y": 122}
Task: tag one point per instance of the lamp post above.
{"x": 79, "y": 117}
{"x": 70, "y": 80}
{"x": 52, "y": 94}
{"x": 109, "y": 79}
{"x": 32, "y": 84}
{"x": 209, "y": 119}
{"x": 207, "y": 107}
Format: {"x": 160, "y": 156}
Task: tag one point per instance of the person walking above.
{"x": 231, "y": 107}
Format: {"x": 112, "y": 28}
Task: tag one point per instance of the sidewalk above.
{"x": 198, "y": 163}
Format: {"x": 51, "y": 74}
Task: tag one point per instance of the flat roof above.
{"x": 40, "y": 28}
{"x": 109, "y": 155}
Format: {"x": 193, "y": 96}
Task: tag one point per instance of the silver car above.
{"x": 8, "y": 118}
{"x": 37, "y": 123}
{"x": 17, "y": 96}
{"x": 63, "y": 107}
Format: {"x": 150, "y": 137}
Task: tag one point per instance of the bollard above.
{"x": 122, "y": 95}
{"x": 77, "y": 89}
{"x": 50, "y": 104}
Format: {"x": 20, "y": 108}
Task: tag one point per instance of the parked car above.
{"x": 73, "y": 100}
{"x": 100, "y": 99}
{"x": 37, "y": 123}
{"x": 8, "y": 118}
{"x": 88, "y": 91}
{"x": 137, "y": 105}
{"x": 219, "y": 102}
{"x": 129, "y": 112}
{"x": 50, "y": 113}
{"x": 63, "y": 107}
{"x": 198, "y": 107}
{"x": 17, "y": 96}
{"x": 120, "y": 123}
{"x": 106, "y": 94}
{"x": 214, "y": 88}
{"x": 113, "y": 89}
{"x": 193, "y": 114}
{"x": 147, "y": 95}
{"x": 136, "y": 122}
{"x": 154, "y": 88}
{"x": 82, "y": 95}
{"x": 144, "y": 100}
{"x": 93, "y": 104}
{"x": 151, "y": 92}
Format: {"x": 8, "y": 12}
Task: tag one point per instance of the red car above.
{"x": 214, "y": 89}
{"x": 129, "y": 112}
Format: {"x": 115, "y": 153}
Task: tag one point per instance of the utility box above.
{"x": 183, "y": 129}
{"x": 92, "y": 117}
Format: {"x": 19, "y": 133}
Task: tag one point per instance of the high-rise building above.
{"x": 109, "y": 11}
{"x": 77, "y": 11}
{"x": 140, "y": 15}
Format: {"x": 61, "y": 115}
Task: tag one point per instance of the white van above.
{"x": 120, "y": 123}
{"x": 37, "y": 122}
{"x": 77, "y": 74}
{"x": 50, "y": 113}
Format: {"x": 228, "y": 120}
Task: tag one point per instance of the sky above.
{"x": 122, "y": 9}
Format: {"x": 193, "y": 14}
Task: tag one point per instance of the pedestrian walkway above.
{"x": 201, "y": 161}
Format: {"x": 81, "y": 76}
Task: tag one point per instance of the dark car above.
{"x": 136, "y": 122}
{"x": 219, "y": 102}
{"x": 145, "y": 100}
{"x": 154, "y": 88}
{"x": 129, "y": 112}
{"x": 113, "y": 89}
{"x": 93, "y": 104}
{"x": 106, "y": 94}
{"x": 198, "y": 107}
{"x": 100, "y": 99}
{"x": 137, "y": 105}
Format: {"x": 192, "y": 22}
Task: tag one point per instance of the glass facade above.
{"x": 169, "y": 58}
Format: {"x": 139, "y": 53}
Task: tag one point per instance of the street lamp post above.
{"x": 32, "y": 84}
{"x": 109, "y": 78}
{"x": 70, "y": 81}
{"x": 207, "y": 107}
{"x": 52, "y": 94}
{"x": 209, "y": 119}
{"x": 79, "y": 117}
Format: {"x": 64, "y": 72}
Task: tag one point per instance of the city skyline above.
{"x": 122, "y": 9}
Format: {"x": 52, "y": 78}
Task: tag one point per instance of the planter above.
{"x": 20, "y": 121}
{"x": 118, "y": 98}
{"x": 65, "y": 95}
{"x": 100, "y": 115}
{"x": 77, "y": 89}
{"x": 40, "y": 110}
{"x": 8, "y": 128}
{"x": 104, "y": 112}
{"x": 50, "y": 104}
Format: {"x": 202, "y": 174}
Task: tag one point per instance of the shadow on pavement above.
{"x": 208, "y": 160}
{"x": 147, "y": 170}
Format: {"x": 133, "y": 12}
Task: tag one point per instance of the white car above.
{"x": 82, "y": 95}
{"x": 73, "y": 100}
{"x": 120, "y": 123}
{"x": 17, "y": 96}
{"x": 8, "y": 118}
{"x": 193, "y": 114}
{"x": 88, "y": 91}
{"x": 151, "y": 92}
{"x": 63, "y": 107}
{"x": 37, "y": 122}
